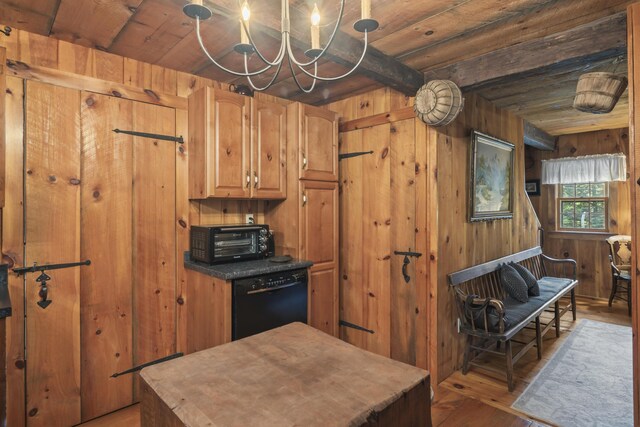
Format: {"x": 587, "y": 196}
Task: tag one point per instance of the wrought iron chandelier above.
{"x": 196, "y": 10}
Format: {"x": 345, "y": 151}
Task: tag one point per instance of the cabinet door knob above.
{"x": 248, "y": 179}
{"x": 255, "y": 179}
{"x": 304, "y": 162}
{"x": 304, "y": 199}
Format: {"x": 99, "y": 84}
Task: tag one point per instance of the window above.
{"x": 583, "y": 207}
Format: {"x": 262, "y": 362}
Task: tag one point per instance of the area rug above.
{"x": 587, "y": 382}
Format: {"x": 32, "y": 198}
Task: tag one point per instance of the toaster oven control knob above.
{"x": 263, "y": 247}
{"x": 263, "y": 232}
{"x": 263, "y": 239}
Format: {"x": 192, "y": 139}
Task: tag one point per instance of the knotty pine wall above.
{"x": 451, "y": 242}
{"x": 462, "y": 244}
{"x": 76, "y": 72}
{"x": 590, "y": 250}
{"x": 385, "y": 206}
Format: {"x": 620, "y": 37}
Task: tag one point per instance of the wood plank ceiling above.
{"x": 427, "y": 36}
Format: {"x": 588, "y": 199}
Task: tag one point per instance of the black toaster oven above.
{"x": 214, "y": 244}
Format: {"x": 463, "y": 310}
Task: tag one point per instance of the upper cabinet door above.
{"x": 318, "y": 144}
{"x": 269, "y": 147}
{"x": 229, "y": 150}
{"x": 219, "y": 144}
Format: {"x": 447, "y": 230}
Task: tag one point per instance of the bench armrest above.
{"x": 483, "y": 314}
{"x": 571, "y": 264}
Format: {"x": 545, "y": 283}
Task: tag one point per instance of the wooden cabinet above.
{"x": 237, "y": 146}
{"x": 219, "y": 144}
{"x": 306, "y": 224}
{"x": 319, "y": 221}
{"x": 319, "y": 243}
{"x": 269, "y": 150}
{"x": 317, "y": 137}
{"x": 208, "y": 305}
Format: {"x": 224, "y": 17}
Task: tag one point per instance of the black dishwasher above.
{"x": 269, "y": 301}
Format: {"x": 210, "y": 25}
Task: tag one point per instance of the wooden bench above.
{"x": 488, "y": 316}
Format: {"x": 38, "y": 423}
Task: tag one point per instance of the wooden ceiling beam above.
{"x": 345, "y": 50}
{"x": 537, "y": 138}
{"x": 603, "y": 38}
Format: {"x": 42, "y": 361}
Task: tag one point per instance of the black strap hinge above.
{"x": 351, "y": 155}
{"x": 354, "y": 326}
{"x": 171, "y": 138}
{"x": 144, "y": 365}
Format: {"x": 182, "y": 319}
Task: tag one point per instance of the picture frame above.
{"x": 491, "y": 178}
{"x": 532, "y": 187}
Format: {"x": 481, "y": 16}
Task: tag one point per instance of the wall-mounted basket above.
{"x": 438, "y": 102}
{"x": 598, "y": 93}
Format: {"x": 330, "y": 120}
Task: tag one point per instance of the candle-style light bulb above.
{"x": 246, "y": 12}
{"x": 315, "y": 28}
{"x": 366, "y": 9}
{"x": 244, "y": 22}
{"x": 315, "y": 15}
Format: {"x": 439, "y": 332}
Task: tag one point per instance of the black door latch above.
{"x": 43, "y": 278}
{"x": 406, "y": 262}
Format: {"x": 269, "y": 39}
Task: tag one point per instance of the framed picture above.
{"x": 532, "y": 187}
{"x": 491, "y": 186}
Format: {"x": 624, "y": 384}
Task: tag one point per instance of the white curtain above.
{"x": 585, "y": 169}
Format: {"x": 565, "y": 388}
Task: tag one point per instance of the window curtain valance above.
{"x": 585, "y": 169}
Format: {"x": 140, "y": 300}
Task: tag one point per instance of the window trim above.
{"x": 559, "y": 201}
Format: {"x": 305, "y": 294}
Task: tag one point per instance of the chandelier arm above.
{"x": 331, "y": 79}
{"x": 313, "y": 85}
{"x": 235, "y": 73}
{"x": 322, "y": 52}
{"x": 279, "y": 57}
{"x": 268, "y": 85}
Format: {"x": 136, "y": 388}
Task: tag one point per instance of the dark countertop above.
{"x": 240, "y": 270}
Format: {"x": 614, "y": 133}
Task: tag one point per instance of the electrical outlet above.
{"x": 249, "y": 219}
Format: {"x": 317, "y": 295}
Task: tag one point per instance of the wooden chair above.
{"x": 620, "y": 277}
{"x": 620, "y": 258}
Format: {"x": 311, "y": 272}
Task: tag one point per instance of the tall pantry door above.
{"x": 93, "y": 194}
{"x": 378, "y": 211}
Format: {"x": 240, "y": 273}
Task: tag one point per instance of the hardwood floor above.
{"x": 452, "y": 409}
{"x": 491, "y": 388}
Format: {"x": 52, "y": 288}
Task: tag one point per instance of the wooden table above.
{"x": 291, "y": 376}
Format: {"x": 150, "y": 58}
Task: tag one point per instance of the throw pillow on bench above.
{"x": 513, "y": 283}
{"x": 531, "y": 281}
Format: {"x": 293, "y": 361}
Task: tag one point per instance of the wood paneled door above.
{"x": 269, "y": 150}
{"x": 318, "y": 139}
{"x": 378, "y": 211}
{"x": 93, "y": 194}
{"x": 219, "y": 132}
{"x": 238, "y": 146}
{"x": 318, "y": 243}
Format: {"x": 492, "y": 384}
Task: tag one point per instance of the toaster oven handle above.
{"x": 242, "y": 228}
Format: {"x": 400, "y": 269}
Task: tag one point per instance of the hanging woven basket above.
{"x": 438, "y": 102}
{"x": 598, "y": 93}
